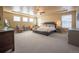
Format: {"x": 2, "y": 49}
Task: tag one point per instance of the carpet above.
{"x": 30, "y": 42}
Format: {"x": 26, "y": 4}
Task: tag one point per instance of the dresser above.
{"x": 73, "y": 37}
{"x": 6, "y": 40}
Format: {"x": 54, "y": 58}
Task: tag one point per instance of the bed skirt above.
{"x": 43, "y": 32}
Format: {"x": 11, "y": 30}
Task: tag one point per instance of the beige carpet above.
{"x": 30, "y": 42}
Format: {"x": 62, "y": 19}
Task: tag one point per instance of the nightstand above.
{"x": 59, "y": 30}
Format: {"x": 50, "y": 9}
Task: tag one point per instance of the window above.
{"x": 17, "y": 18}
{"x": 25, "y": 19}
{"x": 31, "y": 20}
{"x": 31, "y": 11}
{"x": 16, "y": 8}
{"x": 67, "y": 21}
{"x": 25, "y": 10}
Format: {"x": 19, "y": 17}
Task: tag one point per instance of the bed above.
{"x": 46, "y": 28}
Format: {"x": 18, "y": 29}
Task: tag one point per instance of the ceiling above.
{"x": 37, "y": 9}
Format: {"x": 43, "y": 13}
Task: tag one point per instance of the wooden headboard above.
{"x": 50, "y": 23}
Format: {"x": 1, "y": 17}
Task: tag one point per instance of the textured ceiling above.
{"x": 36, "y": 9}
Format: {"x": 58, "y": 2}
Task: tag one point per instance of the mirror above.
{"x": 6, "y": 23}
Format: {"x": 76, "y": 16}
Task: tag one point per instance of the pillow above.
{"x": 51, "y": 25}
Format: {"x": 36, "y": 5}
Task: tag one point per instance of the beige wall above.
{"x": 57, "y": 18}
{"x": 9, "y": 16}
{"x": 53, "y": 17}
{"x": 74, "y": 19}
{"x": 1, "y": 18}
{"x": 50, "y": 18}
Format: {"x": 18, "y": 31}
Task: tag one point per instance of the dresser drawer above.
{"x": 6, "y": 41}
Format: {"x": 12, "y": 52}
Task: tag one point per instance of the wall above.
{"x": 1, "y": 18}
{"x": 49, "y": 18}
{"x": 57, "y": 18}
{"x": 44, "y": 18}
{"x": 9, "y": 16}
{"x": 74, "y": 19}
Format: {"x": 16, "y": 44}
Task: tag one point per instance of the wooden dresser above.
{"x": 6, "y": 40}
{"x": 73, "y": 37}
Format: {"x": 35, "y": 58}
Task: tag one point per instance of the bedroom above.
{"x": 26, "y": 20}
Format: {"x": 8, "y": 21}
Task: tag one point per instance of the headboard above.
{"x": 50, "y": 23}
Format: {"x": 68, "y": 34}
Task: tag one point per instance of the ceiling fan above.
{"x": 39, "y": 10}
